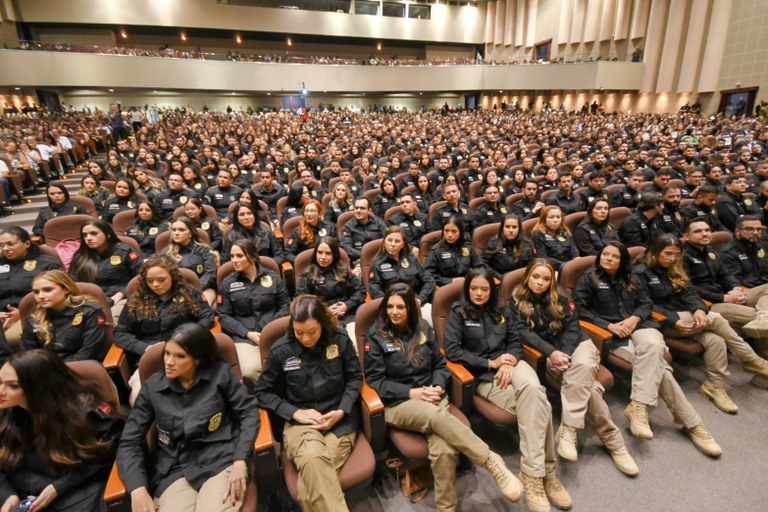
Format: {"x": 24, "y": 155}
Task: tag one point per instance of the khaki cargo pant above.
{"x": 182, "y": 497}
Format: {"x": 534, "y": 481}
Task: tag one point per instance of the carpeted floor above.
{"x": 674, "y": 475}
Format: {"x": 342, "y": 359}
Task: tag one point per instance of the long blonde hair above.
{"x": 173, "y": 249}
{"x": 530, "y": 310}
{"x": 541, "y": 224}
{"x": 74, "y": 299}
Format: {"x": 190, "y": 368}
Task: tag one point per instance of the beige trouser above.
{"x": 526, "y": 398}
{"x": 426, "y": 313}
{"x": 318, "y": 457}
{"x": 249, "y": 358}
{"x": 582, "y": 395}
{"x": 182, "y": 497}
{"x": 13, "y": 334}
{"x": 738, "y": 314}
{"x": 117, "y": 308}
{"x": 446, "y": 436}
{"x": 717, "y": 339}
{"x": 652, "y": 376}
{"x": 210, "y": 296}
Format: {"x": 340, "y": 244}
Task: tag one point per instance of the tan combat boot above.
{"x": 624, "y": 461}
{"x": 637, "y": 414}
{"x": 510, "y": 486}
{"x": 556, "y": 493}
{"x": 719, "y": 397}
{"x": 535, "y": 496}
{"x": 566, "y": 443}
{"x": 757, "y": 366}
{"x": 703, "y": 440}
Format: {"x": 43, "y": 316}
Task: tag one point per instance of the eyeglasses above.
{"x": 748, "y": 229}
{"x": 311, "y": 211}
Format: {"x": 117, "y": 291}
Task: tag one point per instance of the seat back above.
{"x": 227, "y": 268}
{"x": 133, "y": 244}
{"x": 289, "y": 226}
{"x": 122, "y": 220}
{"x": 511, "y": 280}
{"x": 271, "y": 332}
{"x": 344, "y": 217}
{"x": 483, "y": 234}
{"x": 62, "y": 228}
{"x": 513, "y": 198}
{"x": 151, "y": 361}
{"x": 617, "y": 215}
{"x": 445, "y": 296}
{"x": 571, "y": 271}
{"x": 635, "y": 251}
{"x": 96, "y": 375}
{"x": 573, "y": 219}
{"x": 86, "y": 203}
{"x": 370, "y": 249}
{"x": 433, "y": 207}
{"x": 365, "y": 316}
{"x": 528, "y": 226}
{"x": 719, "y": 239}
{"x": 427, "y": 241}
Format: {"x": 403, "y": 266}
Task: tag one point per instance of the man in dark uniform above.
{"x": 410, "y": 179}
{"x": 490, "y": 210}
{"x": 315, "y": 189}
{"x": 731, "y": 205}
{"x": 628, "y": 195}
{"x": 659, "y": 181}
{"x": 361, "y": 229}
{"x": 529, "y": 206}
{"x": 175, "y": 196}
{"x": 746, "y": 256}
{"x": 670, "y": 220}
{"x": 223, "y": 194}
{"x": 454, "y": 207}
{"x": 282, "y": 167}
{"x": 565, "y": 198}
{"x": 595, "y": 188}
{"x": 471, "y": 174}
{"x": 703, "y": 207}
{"x": 414, "y": 223}
{"x": 346, "y": 177}
{"x": 269, "y": 191}
{"x": 640, "y": 228}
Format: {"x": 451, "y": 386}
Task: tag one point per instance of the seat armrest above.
{"x": 116, "y": 364}
{"x": 286, "y": 267}
{"x": 374, "y": 426}
{"x": 115, "y": 494}
{"x": 264, "y": 454}
{"x": 462, "y": 386}
{"x": 535, "y": 359}
{"x": 709, "y": 304}
{"x": 597, "y": 334}
{"x": 278, "y": 233}
{"x": 265, "y": 439}
{"x": 658, "y": 317}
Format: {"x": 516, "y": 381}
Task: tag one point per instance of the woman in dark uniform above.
{"x": 250, "y": 298}
{"x": 190, "y": 251}
{"x": 509, "y": 250}
{"x": 206, "y": 425}
{"x": 610, "y": 297}
{"x": 64, "y": 321}
{"x": 146, "y": 184}
{"x": 104, "y": 260}
{"x": 341, "y": 201}
{"x": 593, "y": 232}
{"x": 331, "y": 279}
{"x": 425, "y": 193}
{"x": 452, "y": 257}
{"x": 195, "y": 212}
{"x": 311, "y": 227}
{"x": 147, "y": 226}
{"x": 662, "y": 273}
{"x": 386, "y": 199}
{"x": 394, "y": 263}
{"x": 90, "y": 187}
{"x": 192, "y": 179}
{"x": 552, "y": 239}
{"x": 403, "y": 363}
{"x": 58, "y": 436}
{"x": 320, "y": 372}
{"x": 246, "y": 225}
{"x": 59, "y": 205}
{"x": 125, "y": 198}
{"x": 298, "y": 194}
{"x": 545, "y": 320}
{"x": 20, "y": 262}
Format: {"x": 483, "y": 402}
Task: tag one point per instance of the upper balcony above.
{"x": 26, "y": 68}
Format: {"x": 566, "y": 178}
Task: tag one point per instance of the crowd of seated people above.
{"x": 234, "y": 222}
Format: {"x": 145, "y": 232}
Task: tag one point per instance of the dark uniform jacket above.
{"x": 246, "y": 305}
{"x": 333, "y": 211}
{"x": 16, "y": 275}
{"x": 221, "y": 198}
{"x": 569, "y": 205}
{"x": 99, "y": 198}
{"x": 270, "y": 198}
{"x": 386, "y": 271}
{"x": 545, "y": 339}
{"x": 730, "y": 207}
{"x": 486, "y": 214}
{"x": 382, "y": 203}
{"x": 557, "y": 248}
{"x": 415, "y": 226}
{"x": 200, "y": 431}
{"x": 424, "y": 201}
{"x": 145, "y": 234}
{"x": 504, "y": 256}
{"x": 200, "y": 260}
{"x": 590, "y": 238}
{"x": 116, "y": 205}
{"x": 665, "y": 299}
{"x": 448, "y": 261}
{"x": 331, "y": 290}
{"x": 523, "y": 208}
{"x": 604, "y": 301}
{"x": 168, "y": 200}
{"x": 80, "y": 488}
{"x": 637, "y": 230}
{"x": 473, "y": 342}
{"x": 354, "y": 235}
{"x": 624, "y": 196}
{"x": 211, "y": 227}
{"x": 289, "y": 212}
{"x": 747, "y": 262}
{"x": 697, "y": 211}
{"x": 441, "y": 215}
{"x": 266, "y": 243}
{"x": 295, "y": 245}
{"x": 709, "y": 277}
{"x": 590, "y": 195}
{"x": 388, "y": 370}
{"x": 136, "y": 334}
{"x": 670, "y": 221}
{"x": 78, "y": 333}
{"x": 326, "y": 377}
{"x": 60, "y": 210}
{"x": 116, "y": 268}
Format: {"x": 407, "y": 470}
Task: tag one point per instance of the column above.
{"x": 671, "y": 48}
{"x": 694, "y": 46}
{"x": 713, "y": 51}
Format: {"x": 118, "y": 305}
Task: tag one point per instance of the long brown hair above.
{"x": 675, "y": 272}
{"x": 143, "y": 303}
{"x": 414, "y": 325}
{"x": 531, "y": 310}
{"x": 56, "y": 398}
{"x": 74, "y": 298}
{"x": 541, "y": 224}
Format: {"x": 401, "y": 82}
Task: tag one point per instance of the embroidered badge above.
{"x": 164, "y": 437}
{"x": 503, "y": 210}
{"x": 215, "y": 422}
{"x": 31, "y": 265}
{"x": 115, "y": 260}
{"x": 761, "y": 253}
{"x": 712, "y": 256}
{"x": 266, "y": 281}
{"x": 322, "y": 232}
{"x": 561, "y": 238}
{"x": 199, "y": 268}
{"x": 291, "y": 364}
{"x": 101, "y": 320}
{"x": 417, "y": 223}
{"x": 465, "y": 251}
{"x": 422, "y": 338}
{"x": 183, "y": 199}
{"x": 153, "y": 231}
{"x": 131, "y": 204}
{"x": 332, "y": 351}
{"x": 405, "y": 263}
{"x": 78, "y": 319}
{"x": 206, "y": 226}
{"x": 748, "y": 202}
{"x": 463, "y": 211}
